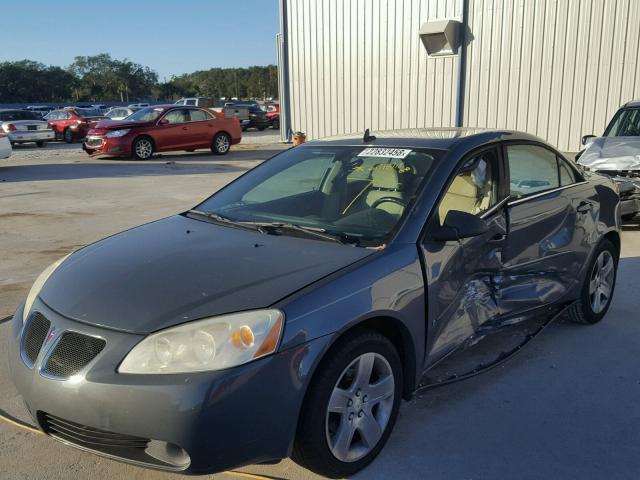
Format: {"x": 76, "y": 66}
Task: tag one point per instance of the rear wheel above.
{"x": 68, "y": 136}
{"x": 142, "y": 148}
{"x": 276, "y": 124}
{"x": 41, "y": 144}
{"x": 351, "y": 407}
{"x": 598, "y": 287}
{"x": 221, "y": 144}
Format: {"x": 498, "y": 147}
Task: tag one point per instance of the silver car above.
{"x": 22, "y": 126}
{"x": 617, "y": 154}
{"x": 120, "y": 113}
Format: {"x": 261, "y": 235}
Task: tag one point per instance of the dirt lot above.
{"x": 566, "y": 408}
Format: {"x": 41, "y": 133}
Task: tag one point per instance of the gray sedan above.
{"x": 289, "y": 313}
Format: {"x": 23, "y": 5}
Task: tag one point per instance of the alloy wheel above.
{"x": 222, "y": 144}
{"x": 601, "y": 282}
{"x": 360, "y": 407}
{"x": 144, "y": 149}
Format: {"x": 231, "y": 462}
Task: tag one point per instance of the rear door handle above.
{"x": 584, "y": 207}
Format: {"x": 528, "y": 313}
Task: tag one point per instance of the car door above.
{"x": 172, "y": 132}
{"x": 550, "y": 212}
{"x": 460, "y": 274}
{"x": 202, "y": 128}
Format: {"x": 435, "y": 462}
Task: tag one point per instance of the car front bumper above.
{"x": 97, "y": 145}
{"x": 26, "y": 136}
{"x": 194, "y": 423}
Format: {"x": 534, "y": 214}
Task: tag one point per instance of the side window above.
{"x": 474, "y": 189}
{"x": 567, "y": 174}
{"x": 177, "y": 116}
{"x": 303, "y": 177}
{"x": 532, "y": 169}
{"x": 191, "y": 101}
{"x": 199, "y": 116}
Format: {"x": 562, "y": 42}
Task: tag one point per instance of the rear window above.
{"x": 86, "y": 112}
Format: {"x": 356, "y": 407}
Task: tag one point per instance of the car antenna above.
{"x": 368, "y": 137}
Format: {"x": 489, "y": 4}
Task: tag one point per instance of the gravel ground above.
{"x": 566, "y": 408}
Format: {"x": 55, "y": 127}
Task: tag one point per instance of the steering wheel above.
{"x": 396, "y": 200}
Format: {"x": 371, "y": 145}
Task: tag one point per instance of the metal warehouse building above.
{"x": 555, "y": 68}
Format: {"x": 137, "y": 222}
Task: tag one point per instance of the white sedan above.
{"x": 5, "y": 146}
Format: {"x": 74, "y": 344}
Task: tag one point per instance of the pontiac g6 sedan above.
{"x": 289, "y": 313}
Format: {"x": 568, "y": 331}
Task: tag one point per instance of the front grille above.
{"x": 72, "y": 353}
{"x": 89, "y": 437}
{"x": 36, "y": 332}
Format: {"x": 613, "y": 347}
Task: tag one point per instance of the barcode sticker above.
{"x": 385, "y": 152}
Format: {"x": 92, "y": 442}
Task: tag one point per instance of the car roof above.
{"x": 632, "y": 103}
{"x": 437, "y": 138}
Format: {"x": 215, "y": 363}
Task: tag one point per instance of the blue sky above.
{"x": 170, "y": 36}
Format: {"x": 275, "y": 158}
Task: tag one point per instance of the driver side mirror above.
{"x": 163, "y": 121}
{"x": 587, "y": 139}
{"x": 458, "y": 225}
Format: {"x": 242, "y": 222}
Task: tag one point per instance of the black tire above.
{"x": 262, "y": 128}
{"x": 582, "y": 311}
{"x": 244, "y": 129}
{"x": 276, "y": 124}
{"x": 628, "y": 217}
{"x": 68, "y": 136}
{"x": 311, "y": 447}
{"x": 142, "y": 148}
{"x": 221, "y": 144}
{"x": 41, "y": 144}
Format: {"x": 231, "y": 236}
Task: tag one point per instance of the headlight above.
{"x": 211, "y": 344}
{"x": 37, "y": 286}
{"x": 117, "y": 133}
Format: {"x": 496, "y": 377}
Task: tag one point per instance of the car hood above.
{"x": 180, "y": 269}
{"x": 612, "y": 153}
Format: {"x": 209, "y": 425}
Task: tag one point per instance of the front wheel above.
{"x": 351, "y": 407}
{"x": 41, "y": 144}
{"x": 221, "y": 144}
{"x": 599, "y": 284}
{"x": 142, "y": 148}
{"x": 68, "y": 136}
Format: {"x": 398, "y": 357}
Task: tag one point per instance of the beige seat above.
{"x": 465, "y": 196}
{"x": 385, "y": 182}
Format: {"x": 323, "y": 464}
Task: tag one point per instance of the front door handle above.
{"x": 497, "y": 238}
{"x": 584, "y": 207}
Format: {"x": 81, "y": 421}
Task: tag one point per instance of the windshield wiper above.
{"x": 220, "y": 219}
{"x": 314, "y": 232}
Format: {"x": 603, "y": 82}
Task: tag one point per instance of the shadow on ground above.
{"x": 186, "y": 164}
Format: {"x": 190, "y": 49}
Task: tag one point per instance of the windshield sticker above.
{"x": 385, "y": 152}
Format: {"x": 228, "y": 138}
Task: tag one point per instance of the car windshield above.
{"x": 357, "y": 194}
{"x": 148, "y": 114}
{"x": 626, "y": 123}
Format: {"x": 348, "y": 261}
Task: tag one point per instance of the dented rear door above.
{"x": 549, "y": 216}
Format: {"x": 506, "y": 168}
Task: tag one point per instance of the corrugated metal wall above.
{"x": 357, "y": 64}
{"x": 555, "y": 68}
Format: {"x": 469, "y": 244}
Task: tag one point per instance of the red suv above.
{"x": 273, "y": 114}
{"x": 164, "y": 128}
{"x": 71, "y": 124}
